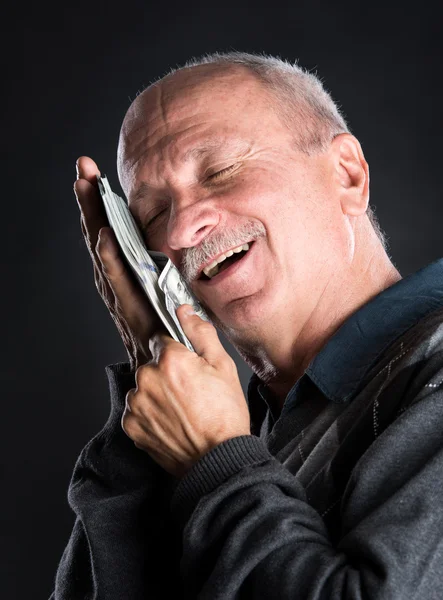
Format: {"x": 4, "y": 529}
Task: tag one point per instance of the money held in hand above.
{"x": 158, "y": 276}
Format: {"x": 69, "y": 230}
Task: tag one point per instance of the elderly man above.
{"x": 326, "y": 482}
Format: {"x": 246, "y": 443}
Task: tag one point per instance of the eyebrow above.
{"x": 143, "y": 189}
{"x": 194, "y": 154}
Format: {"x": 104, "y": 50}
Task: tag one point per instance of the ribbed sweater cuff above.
{"x": 215, "y": 467}
{"x": 120, "y": 379}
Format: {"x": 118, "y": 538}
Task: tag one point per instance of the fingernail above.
{"x": 190, "y": 311}
{"x": 76, "y": 169}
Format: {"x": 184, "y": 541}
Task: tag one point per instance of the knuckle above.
{"x": 229, "y": 361}
{"x": 204, "y": 326}
{"x": 127, "y": 423}
{"x": 99, "y": 250}
{"x": 101, "y": 265}
{"x": 141, "y": 375}
{"x": 232, "y": 366}
{"x": 129, "y": 401}
{"x": 166, "y": 359}
{"x": 102, "y": 249}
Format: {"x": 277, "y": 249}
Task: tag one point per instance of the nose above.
{"x": 190, "y": 221}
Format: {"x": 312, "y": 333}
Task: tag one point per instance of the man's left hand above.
{"x": 185, "y": 403}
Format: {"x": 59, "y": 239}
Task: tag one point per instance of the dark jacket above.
{"x": 339, "y": 497}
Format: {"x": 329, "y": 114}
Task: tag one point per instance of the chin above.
{"x": 242, "y": 318}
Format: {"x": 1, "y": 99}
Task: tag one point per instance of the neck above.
{"x": 280, "y": 355}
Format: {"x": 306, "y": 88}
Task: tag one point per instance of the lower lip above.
{"x": 231, "y": 270}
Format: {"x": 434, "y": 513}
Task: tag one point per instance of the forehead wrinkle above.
{"x": 137, "y": 125}
{"x": 182, "y": 89}
{"x": 171, "y": 136}
{"x": 192, "y": 154}
{"x": 143, "y": 141}
{"x": 161, "y": 145}
{"x": 164, "y": 101}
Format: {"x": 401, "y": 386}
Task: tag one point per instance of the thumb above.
{"x": 202, "y": 334}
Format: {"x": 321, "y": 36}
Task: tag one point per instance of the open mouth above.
{"x": 226, "y": 264}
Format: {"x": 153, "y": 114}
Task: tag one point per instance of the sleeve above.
{"x": 123, "y": 533}
{"x": 249, "y": 531}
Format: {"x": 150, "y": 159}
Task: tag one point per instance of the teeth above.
{"x": 213, "y": 268}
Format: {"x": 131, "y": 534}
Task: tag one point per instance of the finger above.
{"x": 130, "y": 421}
{"x": 131, "y": 300}
{"x": 103, "y": 287}
{"x": 101, "y": 282}
{"x": 87, "y": 169}
{"x": 130, "y": 425}
{"x": 129, "y": 400}
{"x": 92, "y": 211}
{"x": 202, "y": 335}
{"x": 158, "y": 343}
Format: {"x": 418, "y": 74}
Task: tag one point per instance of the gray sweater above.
{"x": 339, "y": 497}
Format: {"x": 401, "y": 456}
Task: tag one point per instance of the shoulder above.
{"x": 409, "y": 370}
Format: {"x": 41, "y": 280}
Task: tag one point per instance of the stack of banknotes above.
{"x": 159, "y": 278}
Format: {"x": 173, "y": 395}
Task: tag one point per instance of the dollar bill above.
{"x": 158, "y": 276}
{"x": 177, "y": 293}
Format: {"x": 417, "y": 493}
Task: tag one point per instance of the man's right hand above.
{"x": 130, "y": 309}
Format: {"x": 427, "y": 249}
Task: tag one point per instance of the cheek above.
{"x": 257, "y": 191}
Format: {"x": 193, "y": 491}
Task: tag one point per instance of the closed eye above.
{"x": 222, "y": 173}
{"x": 149, "y": 223}
{"x": 212, "y": 178}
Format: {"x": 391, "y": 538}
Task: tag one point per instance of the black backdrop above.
{"x": 70, "y": 72}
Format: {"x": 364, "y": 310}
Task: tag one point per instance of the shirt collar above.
{"x": 339, "y": 367}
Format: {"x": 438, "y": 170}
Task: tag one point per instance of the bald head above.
{"x": 182, "y": 94}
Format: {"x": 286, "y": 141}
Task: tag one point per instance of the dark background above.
{"x": 70, "y": 72}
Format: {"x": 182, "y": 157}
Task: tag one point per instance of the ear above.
{"x": 351, "y": 174}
